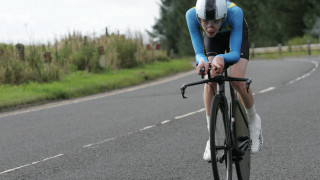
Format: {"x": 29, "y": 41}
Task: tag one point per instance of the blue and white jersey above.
{"x": 233, "y": 23}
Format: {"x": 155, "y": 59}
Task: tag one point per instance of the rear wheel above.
{"x": 220, "y": 140}
{"x": 242, "y": 141}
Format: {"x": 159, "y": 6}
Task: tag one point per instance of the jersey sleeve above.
{"x": 196, "y": 37}
{"x": 235, "y": 20}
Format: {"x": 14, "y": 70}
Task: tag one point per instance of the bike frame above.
{"x": 238, "y": 150}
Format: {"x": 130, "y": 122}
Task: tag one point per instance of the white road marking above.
{"x": 89, "y": 145}
{"x": 267, "y": 90}
{"x": 316, "y": 65}
{"x": 118, "y": 92}
{"x": 185, "y": 115}
{"x": 166, "y": 121}
{"x": 201, "y": 110}
{"x": 100, "y": 142}
{"x": 98, "y": 96}
{"x": 26, "y": 165}
{"x": 148, "y": 127}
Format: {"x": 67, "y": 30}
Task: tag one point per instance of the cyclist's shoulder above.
{"x": 191, "y": 16}
{"x": 233, "y": 8}
{"x": 234, "y": 15}
{"x": 191, "y": 12}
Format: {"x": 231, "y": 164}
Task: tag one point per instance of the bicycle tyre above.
{"x": 220, "y": 140}
{"x": 241, "y": 132}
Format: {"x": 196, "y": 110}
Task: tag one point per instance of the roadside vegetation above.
{"x": 297, "y": 41}
{"x": 78, "y": 66}
{"x": 45, "y": 63}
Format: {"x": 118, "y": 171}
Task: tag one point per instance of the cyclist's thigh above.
{"x": 239, "y": 69}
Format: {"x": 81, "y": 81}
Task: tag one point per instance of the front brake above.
{"x": 248, "y": 82}
{"x": 183, "y": 89}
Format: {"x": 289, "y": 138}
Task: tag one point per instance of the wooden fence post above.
{"x": 309, "y": 49}
{"x": 20, "y": 48}
{"x": 280, "y": 49}
{"x": 107, "y": 33}
{"x": 252, "y": 50}
{"x": 85, "y": 40}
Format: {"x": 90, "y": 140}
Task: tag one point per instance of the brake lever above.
{"x": 202, "y": 72}
{"x": 183, "y": 89}
{"x": 203, "y": 69}
{"x": 248, "y": 82}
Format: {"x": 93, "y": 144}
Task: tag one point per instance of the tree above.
{"x": 270, "y": 22}
{"x": 171, "y": 27}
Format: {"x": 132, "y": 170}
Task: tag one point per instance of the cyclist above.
{"x": 219, "y": 35}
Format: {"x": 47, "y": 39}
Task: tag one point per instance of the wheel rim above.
{"x": 221, "y": 154}
{"x": 243, "y": 166}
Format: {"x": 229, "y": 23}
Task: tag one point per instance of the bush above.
{"x": 86, "y": 59}
{"x": 73, "y": 53}
{"x": 127, "y": 50}
{"x": 302, "y": 40}
{"x": 14, "y": 70}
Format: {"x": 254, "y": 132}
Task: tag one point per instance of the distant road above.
{"x": 150, "y": 132}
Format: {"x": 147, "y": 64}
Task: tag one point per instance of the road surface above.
{"x": 150, "y": 132}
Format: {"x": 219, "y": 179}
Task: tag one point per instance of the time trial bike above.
{"x": 229, "y": 134}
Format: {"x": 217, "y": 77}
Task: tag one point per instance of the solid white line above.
{"x": 201, "y": 110}
{"x": 26, "y": 165}
{"x": 316, "y": 65}
{"x": 267, "y": 90}
{"x": 97, "y": 96}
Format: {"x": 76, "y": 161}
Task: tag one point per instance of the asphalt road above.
{"x": 150, "y": 132}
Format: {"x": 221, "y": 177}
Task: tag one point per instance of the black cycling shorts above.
{"x": 219, "y": 44}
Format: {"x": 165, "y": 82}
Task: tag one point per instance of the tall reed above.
{"x": 74, "y": 52}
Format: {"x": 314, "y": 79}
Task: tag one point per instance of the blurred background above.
{"x": 44, "y": 40}
{"x": 52, "y": 50}
{"x": 270, "y": 22}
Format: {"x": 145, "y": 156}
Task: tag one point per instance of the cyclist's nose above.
{"x": 211, "y": 24}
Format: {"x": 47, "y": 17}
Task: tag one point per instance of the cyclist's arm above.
{"x": 235, "y": 20}
{"x": 196, "y": 37}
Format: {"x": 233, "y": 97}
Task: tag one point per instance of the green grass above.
{"x": 276, "y": 55}
{"x": 80, "y": 83}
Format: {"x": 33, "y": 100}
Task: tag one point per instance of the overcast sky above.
{"x": 34, "y": 21}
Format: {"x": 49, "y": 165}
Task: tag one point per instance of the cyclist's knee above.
{"x": 238, "y": 85}
{"x": 209, "y": 87}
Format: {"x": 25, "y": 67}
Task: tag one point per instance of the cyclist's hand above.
{"x": 217, "y": 65}
{"x": 201, "y": 65}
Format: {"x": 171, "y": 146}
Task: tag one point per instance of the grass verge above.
{"x": 276, "y": 55}
{"x": 79, "y": 84}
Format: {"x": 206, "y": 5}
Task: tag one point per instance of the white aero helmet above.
{"x": 211, "y": 9}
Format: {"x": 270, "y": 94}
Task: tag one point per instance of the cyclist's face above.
{"x": 211, "y": 27}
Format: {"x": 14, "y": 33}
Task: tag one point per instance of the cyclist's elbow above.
{"x": 233, "y": 58}
{"x": 237, "y": 57}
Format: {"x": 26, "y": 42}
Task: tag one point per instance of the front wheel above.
{"x": 220, "y": 140}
